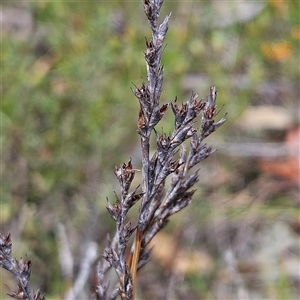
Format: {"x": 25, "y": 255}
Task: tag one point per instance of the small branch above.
{"x": 89, "y": 257}
{"x": 21, "y": 269}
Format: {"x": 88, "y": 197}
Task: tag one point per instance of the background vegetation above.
{"x": 68, "y": 117}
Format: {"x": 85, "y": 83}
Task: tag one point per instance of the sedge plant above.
{"x": 176, "y": 155}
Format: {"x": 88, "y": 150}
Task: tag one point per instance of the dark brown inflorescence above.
{"x": 172, "y": 157}
{"x": 19, "y": 268}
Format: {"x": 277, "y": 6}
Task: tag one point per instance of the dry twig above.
{"x": 20, "y": 269}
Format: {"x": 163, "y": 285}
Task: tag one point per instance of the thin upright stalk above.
{"x": 171, "y": 158}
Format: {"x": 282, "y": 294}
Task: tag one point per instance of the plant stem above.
{"x": 135, "y": 259}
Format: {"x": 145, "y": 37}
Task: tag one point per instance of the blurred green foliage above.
{"x": 67, "y": 106}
